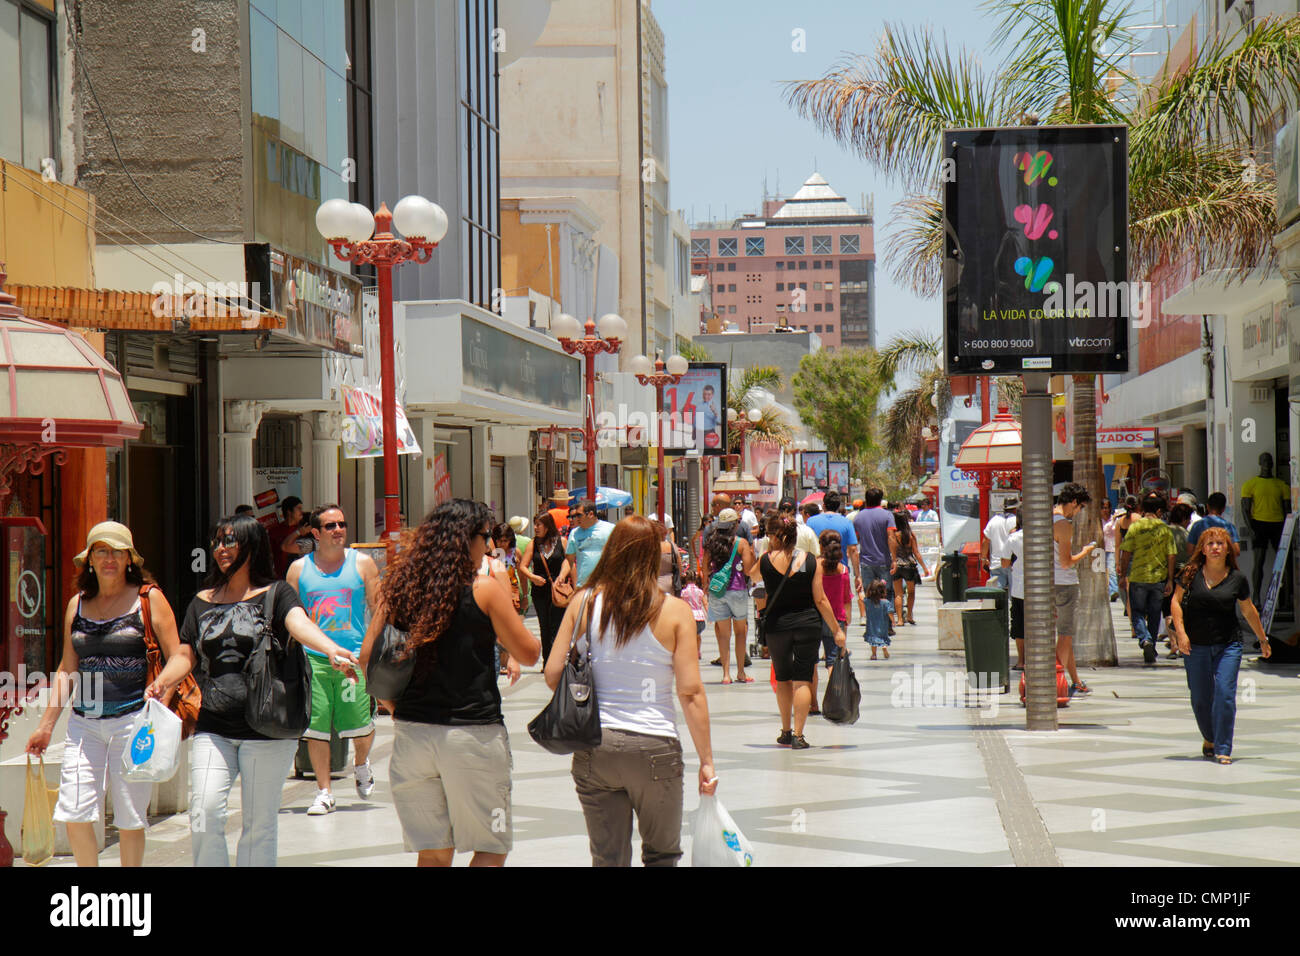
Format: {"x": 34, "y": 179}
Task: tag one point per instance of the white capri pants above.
{"x": 92, "y": 763}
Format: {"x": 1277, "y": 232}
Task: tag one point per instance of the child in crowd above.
{"x": 698, "y": 601}
{"x": 879, "y": 609}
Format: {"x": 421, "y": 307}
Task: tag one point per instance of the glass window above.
{"x": 781, "y": 264}
{"x": 794, "y": 245}
{"x": 313, "y": 30}
{"x": 314, "y": 109}
{"x": 780, "y": 287}
{"x": 731, "y": 267}
{"x": 822, "y": 245}
{"x": 817, "y": 307}
{"x": 803, "y": 264}
{"x": 700, "y": 248}
{"x": 336, "y": 121}
{"x": 755, "y": 245}
{"x": 727, "y": 247}
{"x": 731, "y": 310}
{"x": 289, "y": 16}
{"x": 817, "y": 263}
{"x": 817, "y": 328}
{"x": 265, "y": 60}
{"x": 830, "y": 306}
{"x": 268, "y": 7}
{"x": 292, "y": 123}
{"x": 804, "y": 286}
{"x": 37, "y": 125}
{"x": 790, "y": 264}
{"x": 731, "y": 287}
{"x": 720, "y": 267}
{"x": 335, "y": 52}
{"x": 830, "y": 328}
{"x": 848, "y": 245}
{"x": 11, "y": 109}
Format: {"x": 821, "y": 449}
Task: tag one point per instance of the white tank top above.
{"x": 634, "y": 683}
{"x": 1062, "y": 575}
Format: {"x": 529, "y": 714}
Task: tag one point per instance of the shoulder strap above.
{"x": 268, "y": 607}
{"x": 785, "y": 577}
{"x": 146, "y": 618}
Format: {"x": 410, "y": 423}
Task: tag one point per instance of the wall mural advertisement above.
{"x": 1036, "y": 271}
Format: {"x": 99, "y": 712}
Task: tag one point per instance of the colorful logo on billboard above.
{"x": 1035, "y": 166}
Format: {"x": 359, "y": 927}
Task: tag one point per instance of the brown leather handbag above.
{"x": 560, "y": 593}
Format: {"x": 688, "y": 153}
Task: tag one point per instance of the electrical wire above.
{"x": 81, "y": 65}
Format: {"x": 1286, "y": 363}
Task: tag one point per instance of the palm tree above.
{"x": 913, "y": 408}
{"x": 1188, "y": 133}
{"x": 771, "y": 425}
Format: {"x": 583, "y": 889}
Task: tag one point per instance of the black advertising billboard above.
{"x": 696, "y": 411}
{"x": 1036, "y": 256}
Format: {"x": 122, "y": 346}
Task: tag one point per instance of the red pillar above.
{"x": 388, "y": 374}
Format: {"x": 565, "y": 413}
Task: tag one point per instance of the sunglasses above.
{"x": 485, "y": 535}
{"x": 335, "y": 526}
{"x": 225, "y": 541}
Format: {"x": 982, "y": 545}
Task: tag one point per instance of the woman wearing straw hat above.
{"x": 104, "y": 653}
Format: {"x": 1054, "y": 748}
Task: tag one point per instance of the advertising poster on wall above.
{"x": 813, "y": 468}
{"x": 270, "y": 487}
{"x": 838, "y": 477}
{"x": 765, "y": 464}
{"x": 696, "y": 410}
{"x": 1036, "y": 274}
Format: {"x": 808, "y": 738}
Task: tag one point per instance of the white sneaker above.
{"x": 365, "y": 781}
{"x": 323, "y": 804}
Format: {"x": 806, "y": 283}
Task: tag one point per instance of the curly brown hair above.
{"x": 423, "y": 585}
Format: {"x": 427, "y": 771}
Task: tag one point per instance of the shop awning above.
{"x": 106, "y": 310}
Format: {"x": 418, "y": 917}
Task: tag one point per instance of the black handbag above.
{"x": 760, "y": 622}
{"x": 389, "y": 670}
{"x": 278, "y": 681}
{"x": 571, "y": 721}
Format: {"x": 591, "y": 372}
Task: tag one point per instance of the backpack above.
{"x": 187, "y": 700}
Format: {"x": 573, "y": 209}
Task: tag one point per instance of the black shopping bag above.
{"x": 842, "y": 698}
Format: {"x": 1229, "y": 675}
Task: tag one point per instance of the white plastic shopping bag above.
{"x": 153, "y": 750}
{"x": 715, "y": 839}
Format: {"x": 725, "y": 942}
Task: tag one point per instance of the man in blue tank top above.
{"x": 338, "y": 586}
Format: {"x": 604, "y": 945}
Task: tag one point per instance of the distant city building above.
{"x": 808, "y": 263}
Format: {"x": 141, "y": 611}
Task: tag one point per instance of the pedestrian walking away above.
{"x": 338, "y": 586}
{"x": 1016, "y": 564}
{"x": 544, "y": 565}
{"x": 993, "y": 544}
{"x": 796, "y": 609}
{"x": 907, "y": 568}
{"x": 103, "y": 672}
{"x": 875, "y": 529}
{"x": 838, "y": 586}
{"x": 1065, "y": 582}
{"x": 876, "y": 612}
{"x": 450, "y": 767}
{"x": 224, "y": 623}
{"x": 1210, "y": 593}
{"x": 726, "y": 551}
{"x": 1146, "y": 568}
{"x": 642, "y": 644}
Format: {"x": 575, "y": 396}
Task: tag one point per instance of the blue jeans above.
{"x": 1144, "y": 602}
{"x": 874, "y": 572}
{"x": 1114, "y": 578}
{"x": 1001, "y": 577}
{"x": 1212, "y": 680}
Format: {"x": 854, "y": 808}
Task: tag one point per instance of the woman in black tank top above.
{"x": 543, "y": 563}
{"x": 448, "y": 722}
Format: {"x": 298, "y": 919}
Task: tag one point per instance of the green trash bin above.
{"x": 951, "y": 577}
{"x": 984, "y": 635}
{"x": 998, "y": 596}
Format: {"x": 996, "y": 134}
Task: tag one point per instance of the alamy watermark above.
{"x": 930, "y": 687}
{"x": 87, "y": 695}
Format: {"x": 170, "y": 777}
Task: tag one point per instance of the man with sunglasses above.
{"x": 338, "y": 586}
{"x": 586, "y": 539}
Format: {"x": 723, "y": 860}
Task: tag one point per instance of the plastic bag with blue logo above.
{"x": 153, "y": 748}
{"x": 715, "y": 838}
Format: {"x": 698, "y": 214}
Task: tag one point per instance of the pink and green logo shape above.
{"x": 1035, "y": 166}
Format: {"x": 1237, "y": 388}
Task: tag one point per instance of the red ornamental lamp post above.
{"x": 605, "y": 336}
{"x": 669, "y": 373}
{"x": 364, "y": 238}
{"x": 992, "y": 450}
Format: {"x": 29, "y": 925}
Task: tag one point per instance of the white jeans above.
{"x": 92, "y": 766}
{"x": 262, "y": 766}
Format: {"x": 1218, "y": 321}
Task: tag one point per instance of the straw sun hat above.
{"x": 116, "y": 536}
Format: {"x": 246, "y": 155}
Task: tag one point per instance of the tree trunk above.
{"x": 1094, "y": 642}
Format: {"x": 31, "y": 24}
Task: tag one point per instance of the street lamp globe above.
{"x": 417, "y": 218}
{"x": 566, "y": 326}
{"x": 641, "y": 365}
{"x": 334, "y": 218}
{"x": 731, "y": 414}
{"x": 361, "y": 223}
{"x": 754, "y": 415}
{"x": 678, "y": 365}
{"x": 612, "y": 326}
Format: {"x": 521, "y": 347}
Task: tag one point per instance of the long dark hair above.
{"x": 628, "y": 572}
{"x": 545, "y": 524}
{"x": 1196, "y": 562}
{"x": 423, "y": 585}
{"x": 832, "y": 550}
{"x": 254, "y": 550}
{"x": 718, "y": 544}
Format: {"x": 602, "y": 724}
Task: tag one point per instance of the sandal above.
{"x": 1207, "y": 751}
{"x": 885, "y": 651}
{"x": 745, "y": 680}
{"x": 1224, "y": 759}
{"x": 726, "y": 680}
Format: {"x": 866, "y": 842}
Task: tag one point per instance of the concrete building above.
{"x": 808, "y": 262}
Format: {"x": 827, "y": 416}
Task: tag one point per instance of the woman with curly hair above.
{"x": 1205, "y": 604}
{"x": 450, "y": 768}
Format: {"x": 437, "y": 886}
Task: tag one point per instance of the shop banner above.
{"x": 1036, "y": 274}
{"x": 1120, "y": 440}
{"x": 765, "y": 461}
{"x": 363, "y": 426}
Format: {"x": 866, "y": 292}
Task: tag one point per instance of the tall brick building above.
{"x": 809, "y": 263}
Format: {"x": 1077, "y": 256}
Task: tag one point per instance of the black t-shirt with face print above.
{"x": 223, "y": 636}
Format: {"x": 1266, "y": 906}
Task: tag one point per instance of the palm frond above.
{"x": 914, "y": 248}
{"x": 916, "y": 352}
{"x": 892, "y": 107}
{"x": 694, "y": 352}
{"x": 1231, "y": 83}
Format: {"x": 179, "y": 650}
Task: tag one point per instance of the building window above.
{"x": 829, "y": 286}
{"x": 790, "y": 264}
{"x": 720, "y": 267}
{"x": 780, "y": 287}
{"x": 780, "y": 307}
{"x": 817, "y": 263}
{"x": 26, "y": 86}
{"x": 731, "y": 310}
{"x": 817, "y": 307}
{"x": 830, "y": 306}
{"x": 830, "y": 329}
{"x": 731, "y": 287}
{"x": 829, "y": 264}
{"x": 781, "y": 265}
{"x": 848, "y": 245}
{"x": 700, "y": 248}
{"x": 755, "y": 246}
{"x": 480, "y": 132}
{"x": 803, "y": 264}
{"x": 804, "y": 286}
{"x": 727, "y": 247}
{"x": 817, "y": 328}
{"x": 821, "y": 245}
{"x": 731, "y": 266}
{"x": 794, "y": 245}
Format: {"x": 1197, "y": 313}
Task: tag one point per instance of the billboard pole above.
{"x": 1036, "y": 512}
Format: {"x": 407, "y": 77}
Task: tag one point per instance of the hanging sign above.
{"x": 363, "y": 426}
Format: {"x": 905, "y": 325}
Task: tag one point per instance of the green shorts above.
{"x": 337, "y": 705}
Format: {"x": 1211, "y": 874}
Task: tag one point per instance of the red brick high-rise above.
{"x": 809, "y": 262}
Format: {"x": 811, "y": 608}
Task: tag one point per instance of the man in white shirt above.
{"x": 747, "y": 516}
{"x": 927, "y": 513}
{"x": 1014, "y": 563}
{"x": 993, "y": 546}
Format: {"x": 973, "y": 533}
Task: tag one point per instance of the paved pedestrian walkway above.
{"x": 922, "y": 778}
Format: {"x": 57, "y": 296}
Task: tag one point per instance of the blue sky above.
{"x": 729, "y": 125}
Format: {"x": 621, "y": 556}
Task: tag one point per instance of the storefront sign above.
{"x": 321, "y": 307}
{"x": 496, "y": 361}
{"x": 1264, "y": 336}
{"x": 363, "y": 426}
{"x": 1036, "y": 262}
{"x": 1125, "y": 439}
{"x": 697, "y": 411}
